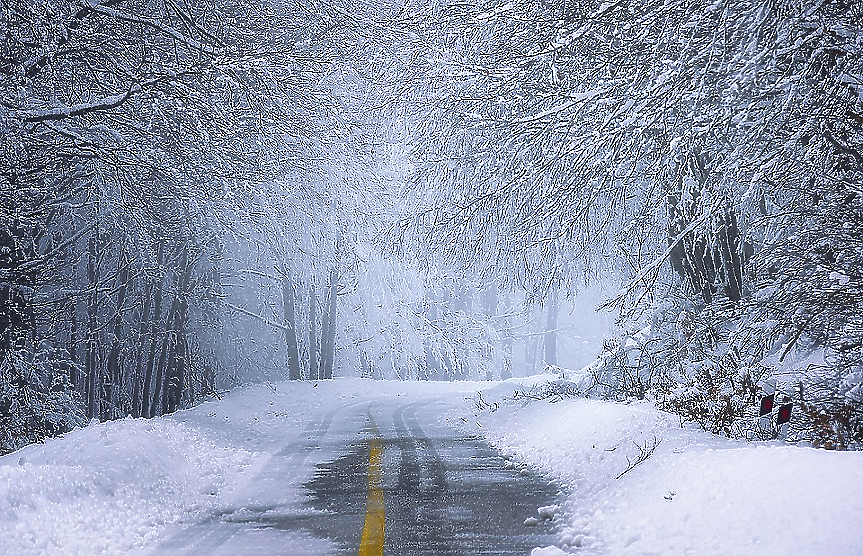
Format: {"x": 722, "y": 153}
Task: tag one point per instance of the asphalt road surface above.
{"x": 402, "y": 481}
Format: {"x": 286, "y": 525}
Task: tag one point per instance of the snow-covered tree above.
{"x": 711, "y": 148}
{"x": 128, "y": 131}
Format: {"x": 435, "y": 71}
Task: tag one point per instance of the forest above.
{"x": 198, "y": 194}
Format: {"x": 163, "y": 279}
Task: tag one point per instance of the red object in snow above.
{"x": 784, "y": 413}
{"x": 766, "y": 405}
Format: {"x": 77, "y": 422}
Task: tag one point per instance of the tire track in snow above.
{"x": 221, "y": 525}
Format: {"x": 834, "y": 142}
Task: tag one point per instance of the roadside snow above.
{"x": 108, "y": 487}
{"x": 121, "y": 487}
{"x": 696, "y": 494}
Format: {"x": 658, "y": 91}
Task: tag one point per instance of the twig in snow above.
{"x": 644, "y": 452}
{"x": 483, "y": 405}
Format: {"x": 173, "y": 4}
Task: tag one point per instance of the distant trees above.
{"x": 271, "y": 299}
{"x": 481, "y": 331}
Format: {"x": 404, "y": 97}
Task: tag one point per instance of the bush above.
{"x": 37, "y": 399}
{"x": 683, "y": 357}
{"x": 831, "y": 401}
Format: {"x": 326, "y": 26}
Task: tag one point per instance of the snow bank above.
{"x": 696, "y": 493}
{"x": 109, "y": 487}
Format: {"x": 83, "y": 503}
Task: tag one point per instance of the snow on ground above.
{"x": 696, "y": 494}
{"x": 118, "y": 487}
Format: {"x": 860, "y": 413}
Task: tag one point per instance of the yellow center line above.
{"x": 372, "y": 541}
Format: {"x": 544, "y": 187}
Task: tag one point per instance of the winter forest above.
{"x": 663, "y": 198}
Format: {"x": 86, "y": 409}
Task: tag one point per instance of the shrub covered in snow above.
{"x": 36, "y": 397}
{"x": 708, "y": 363}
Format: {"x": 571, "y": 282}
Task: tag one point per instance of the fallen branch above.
{"x": 644, "y": 452}
{"x": 483, "y": 405}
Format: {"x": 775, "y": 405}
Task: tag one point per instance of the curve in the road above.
{"x": 407, "y": 484}
{"x": 215, "y": 529}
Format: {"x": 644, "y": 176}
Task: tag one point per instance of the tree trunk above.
{"x": 506, "y": 370}
{"x": 175, "y": 363}
{"x": 325, "y": 333}
{"x": 112, "y": 381}
{"x": 148, "y": 400}
{"x": 433, "y": 369}
{"x": 92, "y": 328}
{"x": 551, "y": 329}
{"x": 490, "y": 300}
{"x": 75, "y": 372}
{"x": 137, "y": 391}
{"x": 329, "y": 347}
{"x": 531, "y": 350}
{"x": 8, "y": 262}
{"x": 448, "y": 365}
{"x": 365, "y": 368}
{"x": 490, "y": 303}
{"x": 313, "y": 340}
{"x": 294, "y": 371}
{"x": 159, "y": 395}
{"x": 728, "y": 241}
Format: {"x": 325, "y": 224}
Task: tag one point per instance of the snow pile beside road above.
{"x": 695, "y": 494}
{"x": 108, "y": 487}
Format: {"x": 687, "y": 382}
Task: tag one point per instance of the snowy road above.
{"x": 443, "y": 492}
{"x": 316, "y": 469}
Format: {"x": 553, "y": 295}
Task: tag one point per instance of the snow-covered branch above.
{"x": 63, "y": 112}
{"x": 157, "y": 25}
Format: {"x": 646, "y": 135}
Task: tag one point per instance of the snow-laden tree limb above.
{"x": 656, "y": 262}
{"x": 63, "y": 112}
{"x": 157, "y": 25}
{"x": 256, "y": 316}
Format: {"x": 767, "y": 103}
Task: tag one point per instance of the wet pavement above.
{"x": 445, "y": 493}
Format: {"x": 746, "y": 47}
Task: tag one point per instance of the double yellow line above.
{"x": 372, "y": 540}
